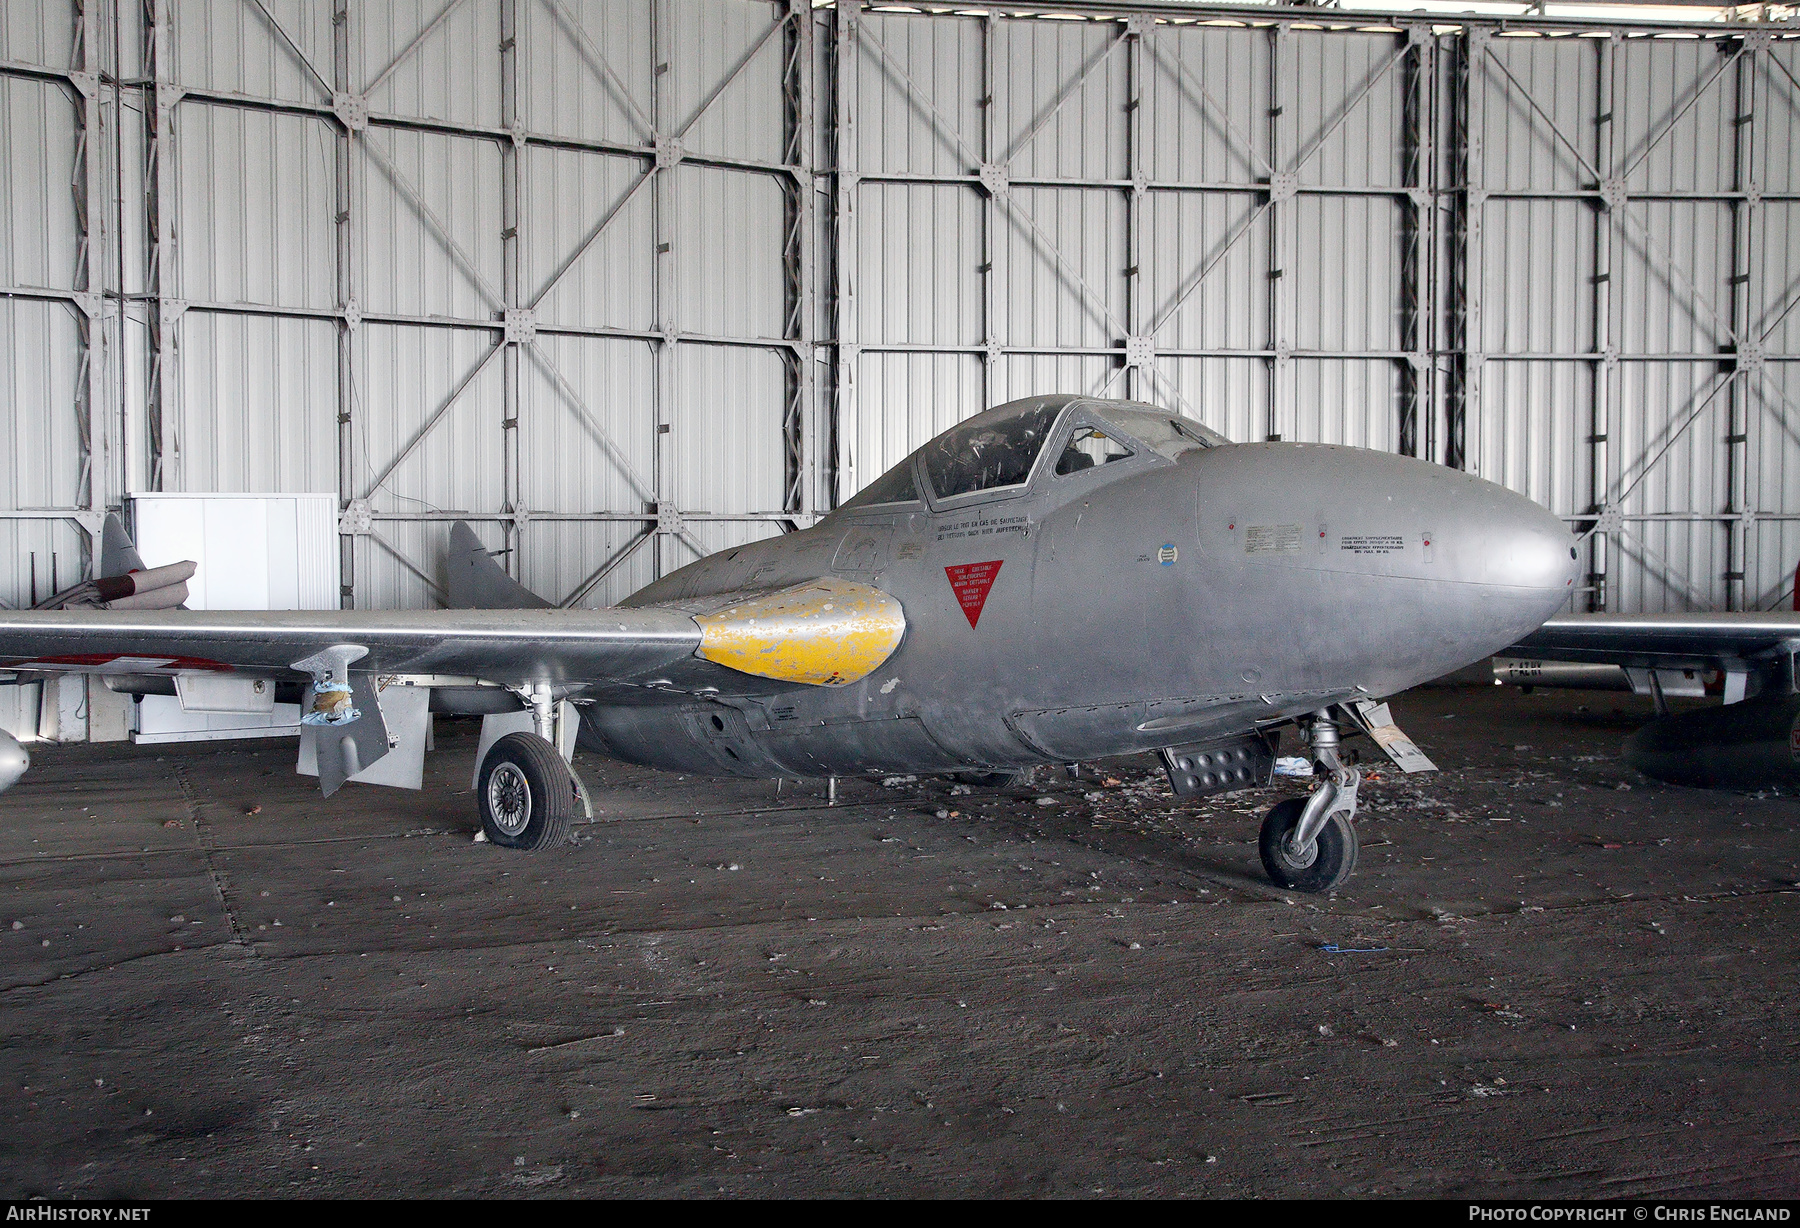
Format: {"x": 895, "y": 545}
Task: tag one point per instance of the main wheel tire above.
{"x": 526, "y": 793}
{"x": 1333, "y": 852}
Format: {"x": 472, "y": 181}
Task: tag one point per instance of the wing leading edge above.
{"x": 540, "y": 645}
{"x": 825, "y": 632}
{"x": 1663, "y": 641}
{"x": 829, "y": 632}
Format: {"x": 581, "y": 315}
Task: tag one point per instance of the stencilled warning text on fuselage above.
{"x": 983, "y": 527}
{"x": 1372, "y": 543}
{"x": 1271, "y": 539}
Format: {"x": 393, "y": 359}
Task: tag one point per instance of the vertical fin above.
{"x": 476, "y": 582}
{"x": 117, "y": 553}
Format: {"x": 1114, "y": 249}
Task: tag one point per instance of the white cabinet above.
{"x": 254, "y": 552}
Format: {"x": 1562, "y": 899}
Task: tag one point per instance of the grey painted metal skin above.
{"x": 1089, "y": 644}
{"x": 1055, "y": 580}
{"x": 1144, "y": 603}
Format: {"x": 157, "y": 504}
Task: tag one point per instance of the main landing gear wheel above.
{"x": 527, "y": 794}
{"x": 1323, "y": 866}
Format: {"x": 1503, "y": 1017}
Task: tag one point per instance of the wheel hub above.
{"x": 509, "y": 799}
{"x": 1299, "y": 857}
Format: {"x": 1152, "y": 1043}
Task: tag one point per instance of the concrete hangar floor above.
{"x": 1549, "y": 977}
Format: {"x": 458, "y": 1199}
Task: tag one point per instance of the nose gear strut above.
{"x": 1335, "y": 795}
{"x": 1311, "y": 845}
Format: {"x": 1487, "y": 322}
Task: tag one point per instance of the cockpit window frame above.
{"x": 1195, "y": 432}
{"x": 1076, "y": 414}
{"x": 1083, "y": 420}
{"x": 912, "y": 465}
{"x": 993, "y": 494}
{"x": 1091, "y": 414}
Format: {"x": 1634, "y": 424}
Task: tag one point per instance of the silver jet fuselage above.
{"x": 1160, "y": 598}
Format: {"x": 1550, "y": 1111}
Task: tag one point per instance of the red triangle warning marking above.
{"x": 971, "y": 582}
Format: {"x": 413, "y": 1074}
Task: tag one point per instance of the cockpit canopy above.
{"x": 990, "y": 450}
{"x": 999, "y": 448}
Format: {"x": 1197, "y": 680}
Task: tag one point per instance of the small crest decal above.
{"x": 971, "y": 582}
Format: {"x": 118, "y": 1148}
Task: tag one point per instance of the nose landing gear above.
{"x": 1310, "y": 844}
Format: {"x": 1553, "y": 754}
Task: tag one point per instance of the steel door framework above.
{"x": 1451, "y": 85}
{"x": 1446, "y": 77}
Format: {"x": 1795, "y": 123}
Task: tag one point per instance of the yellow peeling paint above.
{"x": 826, "y": 632}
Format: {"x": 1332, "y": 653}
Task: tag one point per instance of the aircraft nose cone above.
{"x": 1494, "y": 537}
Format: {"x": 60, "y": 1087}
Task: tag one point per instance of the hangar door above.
{"x": 624, "y": 281}
{"x": 1560, "y": 254}
{"x": 530, "y": 263}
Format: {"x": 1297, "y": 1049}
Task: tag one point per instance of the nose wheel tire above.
{"x": 1324, "y": 867}
{"x": 527, "y": 795}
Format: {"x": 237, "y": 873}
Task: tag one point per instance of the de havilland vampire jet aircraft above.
{"x": 1055, "y": 580}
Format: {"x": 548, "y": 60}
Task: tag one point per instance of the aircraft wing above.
{"x": 541, "y": 645}
{"x": 1662, "y": 641}
{"x": 824, "y": 632}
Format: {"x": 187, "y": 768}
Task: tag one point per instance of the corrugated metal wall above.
{"x": 532, "y": 263}
{"x": 1561, "y": 255}
{"x": 623, "y": 281}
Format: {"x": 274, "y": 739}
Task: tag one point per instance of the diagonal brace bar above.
{"x": 436, "y": 416}
{"x": 737, "y": 70}
{"x": 592, "y": 235}
{"x": 585, "y": 45}
{"x": 1186, "y": 75}
{"x": 462, "y": 258}
{"x": 411, "y": 47}
{"x": 1068, "y": 92}
{"x": 605, "y": 569}
{"x": 644, "y": 489}
{"x": 293, "y": 47}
